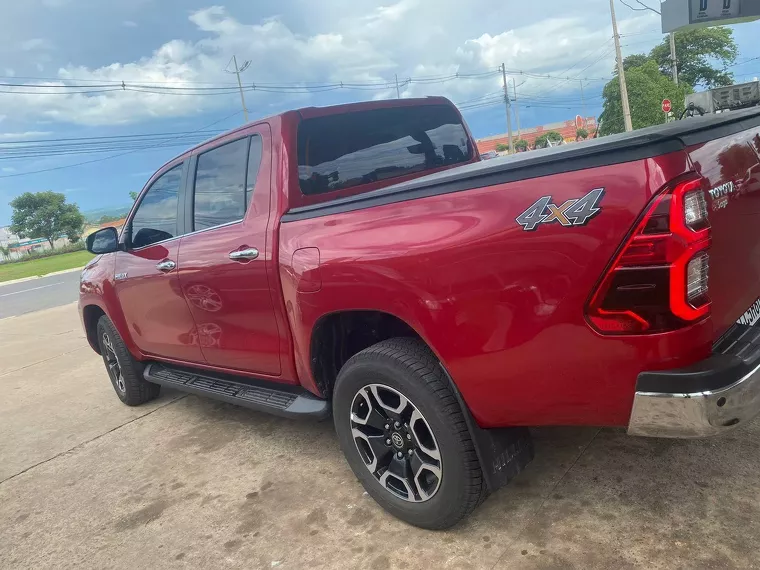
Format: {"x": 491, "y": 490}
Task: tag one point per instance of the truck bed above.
{"x": 615, "y": 149}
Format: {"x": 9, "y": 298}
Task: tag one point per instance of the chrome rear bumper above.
{"x": 699, "y": 414}
{"x": 708, "y": 398}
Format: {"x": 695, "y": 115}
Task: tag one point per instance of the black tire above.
{"x": 127, "y": 380}
{"x": 409, "y": 367}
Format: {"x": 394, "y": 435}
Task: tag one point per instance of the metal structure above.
{"x": 621, "y": 72}
{"x": 721, "y": 99}
{"x": 509, "y": 116}
{"x": 687, "y": 14}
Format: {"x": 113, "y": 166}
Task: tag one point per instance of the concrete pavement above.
{"x": 86, "y": 482}
{"x": 38, "y": 294}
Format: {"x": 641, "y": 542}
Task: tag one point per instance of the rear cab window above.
{"x": 343, "y": 151}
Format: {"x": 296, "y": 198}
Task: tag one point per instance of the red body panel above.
{"x": 735, "y": 221}
{"x": 502, "y": 307}
{"x": 158, "y": 318}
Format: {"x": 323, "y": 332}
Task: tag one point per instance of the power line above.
{"x": 176, "y": 133}
{"x": 742, "y": 63}
{"x": 14, "y": 175}
{"x": 148, "y": 87}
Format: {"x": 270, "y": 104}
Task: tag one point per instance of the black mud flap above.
{"x": 503, "y": 452}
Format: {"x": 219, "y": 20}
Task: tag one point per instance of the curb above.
{"x": 33, "y": 277}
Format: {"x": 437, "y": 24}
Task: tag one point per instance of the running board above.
{"x": 272, "y": 399}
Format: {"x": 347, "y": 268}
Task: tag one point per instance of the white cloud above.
{"x": 24, "y": 135}
{"x": 35, "y": 44}
{"x": 129, "y": 24}
{"x": 349, "y": 43}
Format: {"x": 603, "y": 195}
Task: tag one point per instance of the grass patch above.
{"x": 10, "y": 271}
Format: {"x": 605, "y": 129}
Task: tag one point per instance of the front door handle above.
{"x": 244, "y": 254}
{"x": 166, "y": 265}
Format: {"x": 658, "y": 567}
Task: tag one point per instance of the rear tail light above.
{"x": 695, "y": 210}
{"x": 659, "y": 279}
{"x": 696, "y": 278}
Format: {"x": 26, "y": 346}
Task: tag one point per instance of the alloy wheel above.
{"x": 396, "y": 443}
{"x": 112, "y": 364}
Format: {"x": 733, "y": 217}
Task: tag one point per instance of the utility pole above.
{"x": 621, "y": 71}
{"x": 240, "y": 84}
{"x": 583, "y": 103}
{"x": 398, "y": 93}
{"x": 506, "y": 103}
{"x": 517, "y": 108}
{"x": 673, "y": 61}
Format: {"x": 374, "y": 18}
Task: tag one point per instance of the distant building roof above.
{"x": 116, "y": 224}
{"x": 566, "y": 128}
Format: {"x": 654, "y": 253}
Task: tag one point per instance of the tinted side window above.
{"x": 341, "y": 151}
{"x": 156, "y": 216}
{"x": 254, "y": 162}
{"x": 220, "y": 185}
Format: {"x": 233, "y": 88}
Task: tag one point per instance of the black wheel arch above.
{"x": 338, "y": 336}
{"x": 90, "y": 316}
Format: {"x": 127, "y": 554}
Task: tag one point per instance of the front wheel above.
{"x": 124, "y": 371}
{"x": 404, "y": 435}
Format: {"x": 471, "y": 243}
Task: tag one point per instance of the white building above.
{"x": 7, "y": 237}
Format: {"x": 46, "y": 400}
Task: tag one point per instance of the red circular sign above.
{"x": 666, "y": 106}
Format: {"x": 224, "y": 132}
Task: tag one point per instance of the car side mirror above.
{"x": 103, "y": 241}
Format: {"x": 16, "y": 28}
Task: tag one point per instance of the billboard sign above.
{"x": 703, "y": 11}
{"x": 687, "y": 14}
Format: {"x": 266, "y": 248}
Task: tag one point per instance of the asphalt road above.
{"x": 38, "y": 294}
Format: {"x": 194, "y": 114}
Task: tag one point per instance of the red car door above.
{"x": 145, "y": 273}
{"x": 224, "y": 261}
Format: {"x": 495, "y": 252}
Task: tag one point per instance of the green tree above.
{"x": 634, "y": 60}
{"x": 5, "y": 251}
{"x": 581, "y": 133}
{"x": 521, "y": 145}
{"x": 647, "y": 87}
{"x": 46, "y": 215}
{"x": 697, "y": 51}
{"x": 133, "y": 195}
{"x": 501, "y": 147}
{"x": 553, "y": 136}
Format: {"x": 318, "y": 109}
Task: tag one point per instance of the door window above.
{"x": 220, "y": 193}
{"x": 156, "y": 217}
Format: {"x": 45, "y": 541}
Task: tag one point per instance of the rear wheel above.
{"x": 125, "y": 372}
{"x": 404, "y": 435}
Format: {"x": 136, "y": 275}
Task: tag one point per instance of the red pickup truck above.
{"x": 361, "y": 261}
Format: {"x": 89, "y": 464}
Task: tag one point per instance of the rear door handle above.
{"x": 244, "y": 254}
{"x": 166, "y": 265}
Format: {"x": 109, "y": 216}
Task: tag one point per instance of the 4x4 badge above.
{"x": 575, "y": 212}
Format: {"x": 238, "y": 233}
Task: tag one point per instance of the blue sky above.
{"x": 185, "y": 42}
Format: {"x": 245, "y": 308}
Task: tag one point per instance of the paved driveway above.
{"x": 86, "y": 482}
